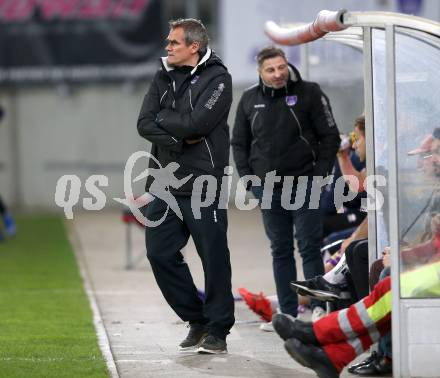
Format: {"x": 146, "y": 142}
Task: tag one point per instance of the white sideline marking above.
{"x": 103, "y": 341}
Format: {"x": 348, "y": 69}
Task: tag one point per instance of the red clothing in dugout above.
{"x": 349, "y": 332}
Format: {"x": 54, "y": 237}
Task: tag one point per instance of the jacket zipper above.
{"x": 190, "y": 100}
{"x": 300, "y": 134}
{"x": 174, "y": 95}
{"x": 209, "y": 151}
{"x": 160, "y": 101}
{"x": 253, "y": 121}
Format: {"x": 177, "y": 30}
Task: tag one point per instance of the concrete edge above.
{"x": 103, "y": 341}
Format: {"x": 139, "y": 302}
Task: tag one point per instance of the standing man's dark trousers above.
{"x": 279, "y": 225}
{"x": 164, "y": 244}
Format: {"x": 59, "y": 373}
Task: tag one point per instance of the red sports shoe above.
{"x": 258, "y": 303}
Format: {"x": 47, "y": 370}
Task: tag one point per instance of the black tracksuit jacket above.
{"x": 189, "y": 105}
{"x": 290, "y": 130}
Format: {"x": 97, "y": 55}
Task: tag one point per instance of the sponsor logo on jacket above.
{"x": 215, "y": 96}
{"x": 291, "y": 100}
{"x": 328, "y": 113}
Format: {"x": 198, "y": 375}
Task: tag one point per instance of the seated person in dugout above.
{"x": 421, "y": 275}
{"x": 331, "y": 343}
{"x": 426, "y": 247}
{"x": 421, "y": 259}
{"x": 340, "y": 222}
{"x": 424, "y": 250}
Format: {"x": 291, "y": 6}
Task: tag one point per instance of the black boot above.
{"x": 287, "y": 327}
{"x": 312, "y": 357}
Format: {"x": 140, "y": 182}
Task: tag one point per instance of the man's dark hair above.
{"x": 194, "y": 31}
{"x": 436, "y": 133}
{"x": 269, "y": 52}
{"x": 359, "y": 122}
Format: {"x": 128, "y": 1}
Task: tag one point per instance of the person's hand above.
{"x": 386, "y": 257}
{"x": 193, "y": 141}
{"x": 344, "y": 147}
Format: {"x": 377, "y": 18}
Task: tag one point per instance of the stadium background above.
{"x": 72, "y": 80}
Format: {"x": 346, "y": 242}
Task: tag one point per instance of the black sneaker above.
{"x": 287, "y": 327}
{"x": 312, "y": 357}
{"x": 197, "y": 332}
{"x": 212, "y": 345}
{"x": 317, "y": 288}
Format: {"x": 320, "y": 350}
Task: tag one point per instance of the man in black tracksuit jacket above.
{"x": 285, "y": 125}
{"x": 184, "y": 116}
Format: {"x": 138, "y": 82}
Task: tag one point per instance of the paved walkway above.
{"x": 142, "y": 330}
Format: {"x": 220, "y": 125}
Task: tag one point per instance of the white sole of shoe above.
{"x": 318, "y": 294}
{"x": 266, "y": 328}
{"x": 202, "y": 350}
{"x": 188, "y": 349}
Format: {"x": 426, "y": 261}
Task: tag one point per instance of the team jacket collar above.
{"x": 204, "y": 59}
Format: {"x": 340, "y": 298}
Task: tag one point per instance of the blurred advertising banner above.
{"x": 79, "y": 40}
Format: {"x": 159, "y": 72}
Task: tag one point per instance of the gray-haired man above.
{"x": 184, "y": 116}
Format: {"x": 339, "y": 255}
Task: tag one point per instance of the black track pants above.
{"x": 164, "y": 243}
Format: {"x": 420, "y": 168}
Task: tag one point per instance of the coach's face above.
{"x": 179, "y": 53}
{"x": 274, "y": 72}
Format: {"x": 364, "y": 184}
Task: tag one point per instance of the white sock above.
{"x": 273, "y": 299}
{"x": 337, "y": 275}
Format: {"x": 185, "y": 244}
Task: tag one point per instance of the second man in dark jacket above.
{"x": 285, "y": 125}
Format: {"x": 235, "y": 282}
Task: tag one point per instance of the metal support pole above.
{"x": 369, "y": 135}
{"x": 304, "y": 61}
{"x": 393, "y": 195}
